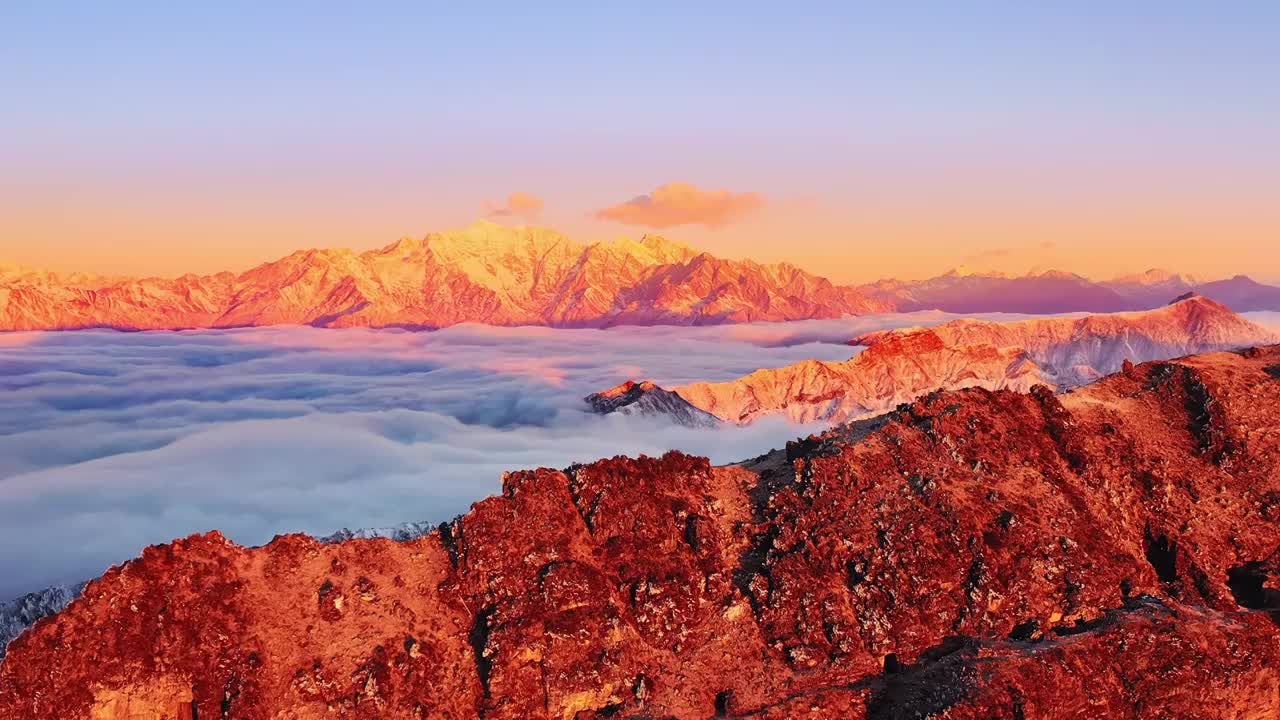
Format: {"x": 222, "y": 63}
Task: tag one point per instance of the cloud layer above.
{"x": 517, "y": 204}
{"x": 683, "y": 204}
{"x": 112, "y": 441}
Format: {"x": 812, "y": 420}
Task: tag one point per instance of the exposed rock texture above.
{"x": 485, "y": 273}
{"x": 1111, "y": 552}
{"x": 1074, "y": 351}
{"x": 901, "y": 364}
{"x": 19, "y": 614}
{"x": 646, "y": 398}
{"x": 875, "y": 380}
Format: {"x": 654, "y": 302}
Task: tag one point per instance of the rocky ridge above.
{"x": 484, "y": 273}
{"x": 1109, "y": 552}
{"x": 1074, "y": 351}
{"x": 647, "y": 399}
{"x": 1052, "y": 291}
{"x": 900, "y": 364}
{"x": 21, "y": 613}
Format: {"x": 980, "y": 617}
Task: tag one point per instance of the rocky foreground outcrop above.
{"x": 1111, "y": 552}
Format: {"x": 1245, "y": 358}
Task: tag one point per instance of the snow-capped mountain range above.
{"x": 500, "y": 275}
{"x": 486, "y": 273}
{"x": 21, "y": 613}
{"x": 899, "y": 365}
{"x": 1055, "y": 291}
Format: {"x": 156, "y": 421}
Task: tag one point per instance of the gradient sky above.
{"x": 1099, "y": 137}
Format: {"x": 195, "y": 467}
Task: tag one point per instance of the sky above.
{"x": 857, "y": 140}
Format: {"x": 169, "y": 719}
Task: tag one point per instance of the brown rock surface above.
{"x": 1111, "y": 552}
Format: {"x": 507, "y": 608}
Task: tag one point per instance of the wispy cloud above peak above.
{"x": 517, "y": 204}
{"x": 679, "y": 203}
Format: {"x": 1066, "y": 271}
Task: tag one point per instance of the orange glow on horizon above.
{"x": 846, "y": 245}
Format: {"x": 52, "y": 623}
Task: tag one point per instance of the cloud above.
{"x": 113, "y": 441}
{"x": 517, "y": 204}
{"x": 683, "y": 204}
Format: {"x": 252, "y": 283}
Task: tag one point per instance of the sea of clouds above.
{"x": 112, "y": 441}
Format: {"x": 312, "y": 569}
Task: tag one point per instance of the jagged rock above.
{"x": 484, "y": 273}
{"x": 900, "y": 364}
{"x": 19, "y": 614}
{"x": 1108, "y": 552}
{"x": 646, "y": 398}
{"x": 1099, "y": 344}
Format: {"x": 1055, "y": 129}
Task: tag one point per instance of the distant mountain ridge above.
{"x": 1054, "y": 291}
{"x": 899, "y": 365}
{"x": 485, "y": 273}
{"x": 647, "y": 399}
{"x": 499, "y": 275}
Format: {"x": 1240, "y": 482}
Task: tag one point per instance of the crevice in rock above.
{"x": 1162, "y": 554}
{"x": 1247, "y": 583}
{"x": 1058, "y": 423}
{"x": 608, "y": 710}
{"x": 1206, "y": 422}
{"x": 576, "y": 486}
{"x": 753, "y": 563}
{"x": 479, "y": 638}
{"x": 724, "y": 699}
{"x": 908, "y": 688}
{"x": 855, "y": 573}
{"x": 1025, "y": 630}
{"x": 691, "y": 531}
{"x": 451, "y": 538}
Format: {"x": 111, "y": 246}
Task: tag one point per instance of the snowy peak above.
{"x": 1056, "y": 291}
{"x": 1155, "y": 276}
{"x": 486, "y": 273}
{"x": 899, "y": 365}
{"x": 1077, "y": 350}
{"x": 647, "y": 399}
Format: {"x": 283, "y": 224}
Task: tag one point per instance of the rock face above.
{"x": 646, "y": 398}
{"x": 19, "y": 614}
{"x": 485, "y": 273}
{"x": 901, "y": 364}
{"x": 1110, "y": 552}
{"x": 882, "y": 377}
{"x": 1079, "y": 350}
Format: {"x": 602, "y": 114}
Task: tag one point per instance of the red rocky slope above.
{"x": 1111, "y": 552}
